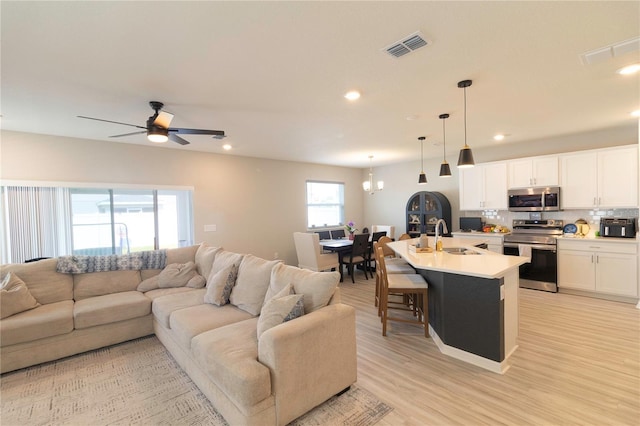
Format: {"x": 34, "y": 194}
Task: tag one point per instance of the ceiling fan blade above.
{"x": 109, "y": 121}
{"x": 128, "y": 134}
{"x": 163, "y": 119}
{"x": 197, "y": 131}
{"x": 178, "y": 139}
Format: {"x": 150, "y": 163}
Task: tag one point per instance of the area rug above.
{"x": 139, "y": 383}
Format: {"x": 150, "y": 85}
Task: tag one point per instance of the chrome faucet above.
{"x": 438, "y": 236}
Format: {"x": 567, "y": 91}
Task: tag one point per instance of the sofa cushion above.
{"x": 148, "y": 284}
{"x": 159, "y": 292}
{"x": 229, "y": 357}
{"x": 187, "y": 323}
{"x": 15, "y": 297}
{"x": 45, "y": 284}
{"x": 46, "y": 320}
{"x": 283, "y": 307}
{"x": 165, "y": 305}
{"x": 220, "y": 285}
{"x": 176, "y": 274}
{"x": 101, "y": 283}
{"x": 317, "y": 287}
{"x": 204, "y": 259}
{"x": 182, "y": 254}
{"x": 252, "y": 283}
{"x": 110, "y": 308}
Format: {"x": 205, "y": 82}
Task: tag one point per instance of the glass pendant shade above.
{"x": 465, "y": 159}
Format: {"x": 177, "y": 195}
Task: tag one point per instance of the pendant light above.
{"x": 445, "y": 170}
{"x": 367, "y": 185}
{"x": 466, "y": 156}
{"x": 422, "y": 179}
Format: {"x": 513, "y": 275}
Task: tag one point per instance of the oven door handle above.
{"x": 544, "y": 247}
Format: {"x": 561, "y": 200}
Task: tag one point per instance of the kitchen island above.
{"x": 473, "y": 299}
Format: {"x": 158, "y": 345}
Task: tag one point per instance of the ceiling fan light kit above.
{"x": 158, "y": 130}
{"x": 465, "y": 159}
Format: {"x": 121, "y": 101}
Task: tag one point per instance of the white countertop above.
{"x": 479, "y": 234}
{"x": 591, "y": 239}
{"x": 485, "y": 265}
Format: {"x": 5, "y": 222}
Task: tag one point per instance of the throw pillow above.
{"x": 254, "y": 275}
{"x": 176, "y": 275}
{"x": 197, "y": 281}
{"x": 148, "y": 284}
{"x": 283, "y": 307}
{"x": 204, "y": 259}
{"x": 317, "y": 287}
{"x": 220, "y": 284}
{"x": 222, "y": 260}
{"x": 15, "y": 297}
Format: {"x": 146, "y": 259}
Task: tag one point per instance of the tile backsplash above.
{"x": 505, "y": 217}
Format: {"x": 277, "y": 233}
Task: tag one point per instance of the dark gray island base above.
{"x": 473, "y": 301}
{"x": 466, "y": 313}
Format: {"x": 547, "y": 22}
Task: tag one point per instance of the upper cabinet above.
{"x": 484, "y": 187}
{"x": 605, "y": 178}
{"x": 534, "y": 171}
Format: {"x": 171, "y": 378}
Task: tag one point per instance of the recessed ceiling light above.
{"x": 636, "y": 113}
{"x": 498, "y": 137}
{"x": 226, "y": 147}
{"x": 352, "y": 95}
{"x": 629, "y": 69}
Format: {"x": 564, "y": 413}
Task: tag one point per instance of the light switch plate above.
{"x": 210, "y": 228}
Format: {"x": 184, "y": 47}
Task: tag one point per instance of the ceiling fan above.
{"x": 158, "y": 130}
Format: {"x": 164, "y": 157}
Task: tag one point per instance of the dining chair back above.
{"x": 358, "y": 255}
{"x": 389, "y": 229}
{"x": 324, "y": 235}
{"x": 336, "y": 234}
{"x": 404, "y": 237}
{"x": 309, "y": 256}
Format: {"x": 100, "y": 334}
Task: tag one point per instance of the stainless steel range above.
{"x": 536, "y": 239}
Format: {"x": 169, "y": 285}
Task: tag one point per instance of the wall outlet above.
{"x": 210, "y": 228}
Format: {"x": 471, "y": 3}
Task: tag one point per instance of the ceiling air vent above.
{"x": 406, "y": 45}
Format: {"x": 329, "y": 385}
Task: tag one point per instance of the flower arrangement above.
{"x": 350, "y": 227}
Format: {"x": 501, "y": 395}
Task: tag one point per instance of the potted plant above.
{"x": 351, "y": 229}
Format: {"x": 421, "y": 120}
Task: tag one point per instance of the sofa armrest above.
{"x": 310, "y": 359}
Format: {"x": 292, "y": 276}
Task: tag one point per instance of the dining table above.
{"x": 341, "y": 246}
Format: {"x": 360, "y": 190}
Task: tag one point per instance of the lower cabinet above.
{"x": 598, "y": 266}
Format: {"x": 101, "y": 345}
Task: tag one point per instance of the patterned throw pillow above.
{"x": 15, "y": 297}
{"x": 283, "y": 307}
{"x": 220, "y": 284}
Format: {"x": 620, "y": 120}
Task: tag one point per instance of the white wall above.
{"x": 256, "y": 204}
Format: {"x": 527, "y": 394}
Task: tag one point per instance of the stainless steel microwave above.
{"x": 541, "y": 199}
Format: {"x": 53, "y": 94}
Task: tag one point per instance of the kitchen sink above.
{"x": 459, "y": 250}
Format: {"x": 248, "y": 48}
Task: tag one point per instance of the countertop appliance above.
{"x": 536, "y": 239}
{"x": 618, "y": 227}
{"x": 469, "y": 224}
{"x": 539, "y": 199}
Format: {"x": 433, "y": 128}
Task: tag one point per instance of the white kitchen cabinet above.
{"x": 598, "y": 266}
{"x": 484, "y": 187}
{"x": 606, "y": 178}
{"x": 533, "y": 171}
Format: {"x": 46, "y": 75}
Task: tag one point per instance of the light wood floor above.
{"x": 578, "y": 363}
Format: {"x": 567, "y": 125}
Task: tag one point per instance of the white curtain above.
{"x": 36, "y": 222}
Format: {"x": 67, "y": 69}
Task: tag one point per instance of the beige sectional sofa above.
{"x": 255, "y": 369}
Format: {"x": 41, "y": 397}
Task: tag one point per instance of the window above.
{"x": 325, "y": 204}
{"x": 49, "y": 222}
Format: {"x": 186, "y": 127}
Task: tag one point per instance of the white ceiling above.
{"x": 273, "y": 74}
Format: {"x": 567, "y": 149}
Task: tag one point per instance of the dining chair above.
{"x": 370, "y": 256}
{"x": 395, "y": 265}
{"x": 324, "y": 235}
{"x": 412, "y": 285}
{"x": 309, "y": 256}
{"x": 357, "y": 256}
{"x": 389, "y": 229}
{"x": 336, "y": 234}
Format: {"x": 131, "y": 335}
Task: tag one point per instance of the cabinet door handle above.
{"x": 599, "y": 200}
{"x": 594, "y": 201}
{"x": 591, "y": 258}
